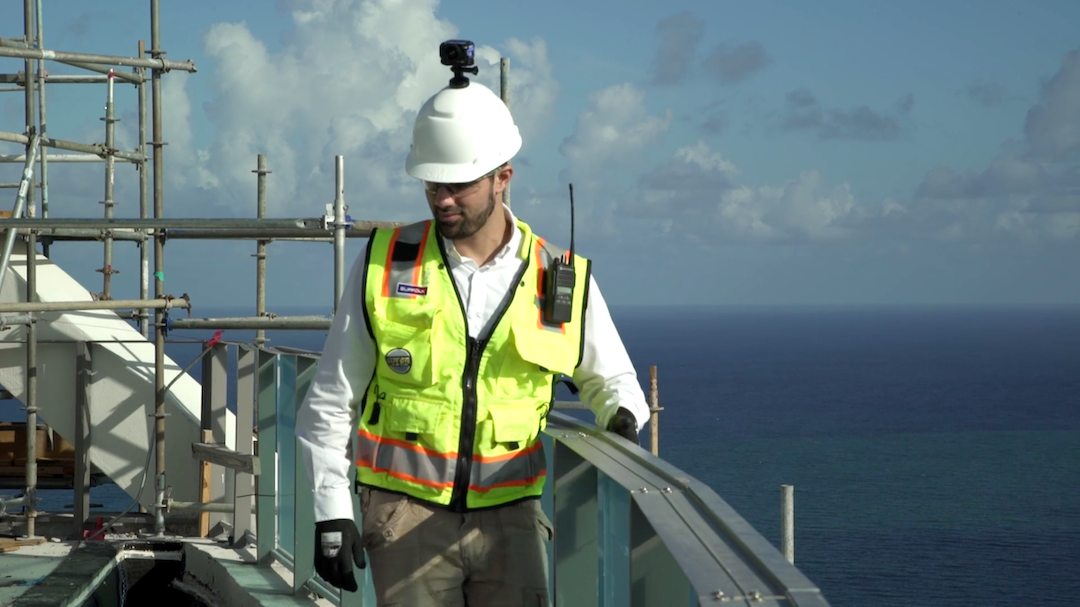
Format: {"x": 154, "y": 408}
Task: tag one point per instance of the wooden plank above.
{"x": 42, "y": 471}
{"x": 12, "y": 544}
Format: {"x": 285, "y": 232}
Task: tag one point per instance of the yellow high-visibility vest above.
{"x": 446, "y": 418}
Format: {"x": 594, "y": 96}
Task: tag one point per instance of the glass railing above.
{"x": 630, "y": 529}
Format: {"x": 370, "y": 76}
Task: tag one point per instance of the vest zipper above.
{"x": 463, "y": 474}
{"x": 468, "y": 425}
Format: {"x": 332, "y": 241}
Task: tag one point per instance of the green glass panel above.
{"x": 576, "y": 556}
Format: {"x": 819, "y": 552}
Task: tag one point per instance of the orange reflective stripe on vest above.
{"x": 448, "y": 418}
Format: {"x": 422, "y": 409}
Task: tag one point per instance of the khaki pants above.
{"x": 426, "y": 556}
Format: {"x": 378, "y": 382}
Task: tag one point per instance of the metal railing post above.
{"x": 787, "y": 522}
{"x": 654, "y": 413}
{"x": 159, "y": 270}
{"x": 504, "y": 94}
{"x": 339, "y": 230}
{"x": 260, "y": 251}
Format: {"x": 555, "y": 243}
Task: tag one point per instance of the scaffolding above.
{"x": 151, "y": 228}
{"x": 36, "y": 226}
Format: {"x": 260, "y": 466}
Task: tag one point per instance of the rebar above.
{"x": 260, "y": 250}
{"x": 339, "y": 229}
{"x": 159, "y": 264}
{"x": 110, "y": 134}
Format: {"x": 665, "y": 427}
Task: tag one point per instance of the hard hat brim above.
{"x": 459, "y": 173}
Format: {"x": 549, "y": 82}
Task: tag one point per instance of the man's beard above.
{"x": 469, "y": 223}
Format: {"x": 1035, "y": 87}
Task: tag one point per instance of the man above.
{"x": 441, "y": 353}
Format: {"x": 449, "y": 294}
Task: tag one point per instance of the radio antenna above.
{"x": 571, "y": 222}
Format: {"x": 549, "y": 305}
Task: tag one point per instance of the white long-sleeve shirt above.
{"x": 325, "y": 423}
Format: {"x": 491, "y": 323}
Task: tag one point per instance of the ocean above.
{"x": 934, "y": 451}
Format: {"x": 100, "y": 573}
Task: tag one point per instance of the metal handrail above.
{"x": 721, "y": 535}
{"x": 722, "y": 557}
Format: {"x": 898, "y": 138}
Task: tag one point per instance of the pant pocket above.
{"x": 383, "y": 514}
{"x": 544, "y": 524}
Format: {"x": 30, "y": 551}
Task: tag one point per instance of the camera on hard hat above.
{"x": 459, "y": 55}
{"x": 457, "y": 52}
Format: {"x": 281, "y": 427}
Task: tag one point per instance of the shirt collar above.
{"x": 510, "y": 248}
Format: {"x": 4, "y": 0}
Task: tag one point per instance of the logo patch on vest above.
{"x": 399, "y": 360}
{"x": 408, "y": 289}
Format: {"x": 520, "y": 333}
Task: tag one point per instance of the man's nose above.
{"x": 443, "y": 198}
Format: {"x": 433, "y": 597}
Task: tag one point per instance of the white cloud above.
{"x": 533, "y": 89}
{"x": 1031, "y": 190}
{"x": 347, "y": 80}
{"x": 612, "y": 133}
{"x": 1028, "y": 192}
{"x": 698, "y": 187}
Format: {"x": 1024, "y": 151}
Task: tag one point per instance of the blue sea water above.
{"x": 935, "y": 451}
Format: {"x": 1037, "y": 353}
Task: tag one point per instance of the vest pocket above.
{"x": 531, "y": 362}
{"x": 405, "y": 354}
{"x": 515, "y": 425}
{"x": 545, "y": 353}
{"x": 543, "y": 349}
{"x": 409, "y": 416}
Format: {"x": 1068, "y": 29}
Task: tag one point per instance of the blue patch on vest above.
{"x": 408, "y": 289}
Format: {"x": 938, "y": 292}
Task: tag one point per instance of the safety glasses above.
{"x": 458, "y": 189}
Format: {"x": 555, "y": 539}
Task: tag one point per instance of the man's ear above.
{"x": 502, "y": 178}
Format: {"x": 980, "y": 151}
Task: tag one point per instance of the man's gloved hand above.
{"x": 624, "y": 424}
{"x": 337, "y": 547}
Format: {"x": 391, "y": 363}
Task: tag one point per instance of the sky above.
{"x": 722, "y": 153}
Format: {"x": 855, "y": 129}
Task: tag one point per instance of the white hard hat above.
{"x": 461, "y": 134}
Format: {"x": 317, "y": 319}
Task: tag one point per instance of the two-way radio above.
{"x": 559, "y": 290}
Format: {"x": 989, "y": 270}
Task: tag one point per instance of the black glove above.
{"x": 624, "y": 424}
{"x": 337, "y": 546}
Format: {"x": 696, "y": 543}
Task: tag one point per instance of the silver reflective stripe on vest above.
{"x": 521, "y": 470}
{"x": 405, "y": 463}
{"x": 402, "y": 273}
